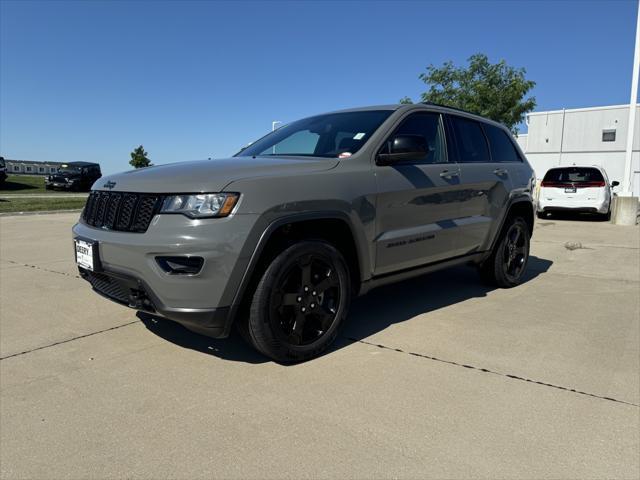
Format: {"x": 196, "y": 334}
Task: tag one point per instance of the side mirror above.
{"x": 403, "y": 147}
{"x": 615, "y": 183}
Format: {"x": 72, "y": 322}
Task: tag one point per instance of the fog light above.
{"x": 180, "y": 265}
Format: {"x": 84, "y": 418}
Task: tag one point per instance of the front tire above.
{"x": 508, "y": 262}
{"x": 300, "y": 302}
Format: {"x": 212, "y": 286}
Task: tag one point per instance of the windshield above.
{"x": 335, "y": 135}
{"x": 69, "y": 169}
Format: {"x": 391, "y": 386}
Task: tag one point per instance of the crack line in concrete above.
{"x": 69, "y": 340}
{"x": 485, "y": 370}
{"x": 450, "y": 362}
{"x": 42, "y": 268}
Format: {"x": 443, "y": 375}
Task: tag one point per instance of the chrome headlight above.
{"x": 201, "y": 205}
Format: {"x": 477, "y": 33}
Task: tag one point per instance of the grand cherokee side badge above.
{"x": 109, "y": 185}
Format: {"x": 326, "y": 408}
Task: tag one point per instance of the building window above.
{"x": 28, "y": 169}
{"x": 609, "y": 135}
{"x": 52, "y": 170}
{"x": 41, "y": 169}
{"x": 16, "y": 168}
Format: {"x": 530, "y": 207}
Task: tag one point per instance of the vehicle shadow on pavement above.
{"x": 402, "y": 301}
{"x": 369, "y": 314}
{"x": 233, "y": 348}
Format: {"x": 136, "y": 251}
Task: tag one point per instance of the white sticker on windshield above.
{"x": 359, "y": 136}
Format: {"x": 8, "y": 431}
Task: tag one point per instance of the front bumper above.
{"x": 130, "y": 274}
{"x": 599, "y": 206}
{"x": 134, "y": 293}
{"x": 59, "y": 185}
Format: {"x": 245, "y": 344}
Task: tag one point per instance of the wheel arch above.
{"x": 523, "y": 207}
{"x": 333, "y": 226}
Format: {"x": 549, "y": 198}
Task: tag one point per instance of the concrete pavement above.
{"x": 434, "y": 377}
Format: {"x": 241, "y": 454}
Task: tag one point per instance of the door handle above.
{"x": 501, "y": 171}
{"x": 447, "y": 174}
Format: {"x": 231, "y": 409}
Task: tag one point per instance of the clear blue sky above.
{"x": 92, "y": 80}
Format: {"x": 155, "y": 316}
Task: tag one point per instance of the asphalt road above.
{"x": 434, "y": 377}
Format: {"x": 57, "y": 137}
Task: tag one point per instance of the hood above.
{"x": 64, "y": 175}
{"x": 209, "y": 175}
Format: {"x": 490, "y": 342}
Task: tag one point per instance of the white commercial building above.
{"x": 583, "y": 136}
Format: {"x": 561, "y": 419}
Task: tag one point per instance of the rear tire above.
{"x": 508, "y": 261}
{"x": 299, "y": 303}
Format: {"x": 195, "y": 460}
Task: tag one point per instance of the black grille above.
{"x": 108, "y": 286}
{"x": 127, "y": 212}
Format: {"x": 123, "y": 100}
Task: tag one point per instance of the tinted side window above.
{"x": 470, "y": 140}
{"x": 502, "y": 150}
{"x": 429, "y": 126}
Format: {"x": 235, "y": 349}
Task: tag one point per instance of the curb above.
{"x": 38, "y": 212}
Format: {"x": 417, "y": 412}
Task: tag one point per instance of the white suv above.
{"x": 584, "y": 189}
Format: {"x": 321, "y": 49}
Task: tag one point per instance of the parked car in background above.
{"x": 74, "y": 176}
{"x": 279, "y": 238}
{"x": 580, "y": 189}
{"x": 3, "y": 170}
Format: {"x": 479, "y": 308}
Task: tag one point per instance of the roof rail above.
{"x": 449, "y": 107}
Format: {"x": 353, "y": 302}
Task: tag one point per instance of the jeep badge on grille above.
{"x": 109, "y": 185}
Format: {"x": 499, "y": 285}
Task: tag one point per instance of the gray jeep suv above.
{"x": 280, "y": 237}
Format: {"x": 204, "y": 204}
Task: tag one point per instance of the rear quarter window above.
{"x": 470, "y": 140}
{"x": 501, "y": 146}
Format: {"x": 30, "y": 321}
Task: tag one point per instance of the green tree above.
{"x": 493, "y": 90}
{"x": 139, "y": 158}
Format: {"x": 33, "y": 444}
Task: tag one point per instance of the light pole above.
{"x": 274, "y": 125}
{"x": 627, "y": 187}
{"x": 627, "y": 204}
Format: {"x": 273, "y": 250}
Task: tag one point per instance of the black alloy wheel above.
{"x": 301, "y": 300}
{"x": 304, "y": 303}
{"x": 516, "y": 251}
{"x": 508, "y": 261}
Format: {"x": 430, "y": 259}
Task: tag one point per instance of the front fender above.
{"x": 262, "y": 231}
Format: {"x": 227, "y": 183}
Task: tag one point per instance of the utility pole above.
{"x": 627, "y": 187}
{"x": 564, "y": 114}
{"x": 625, "y": 211}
